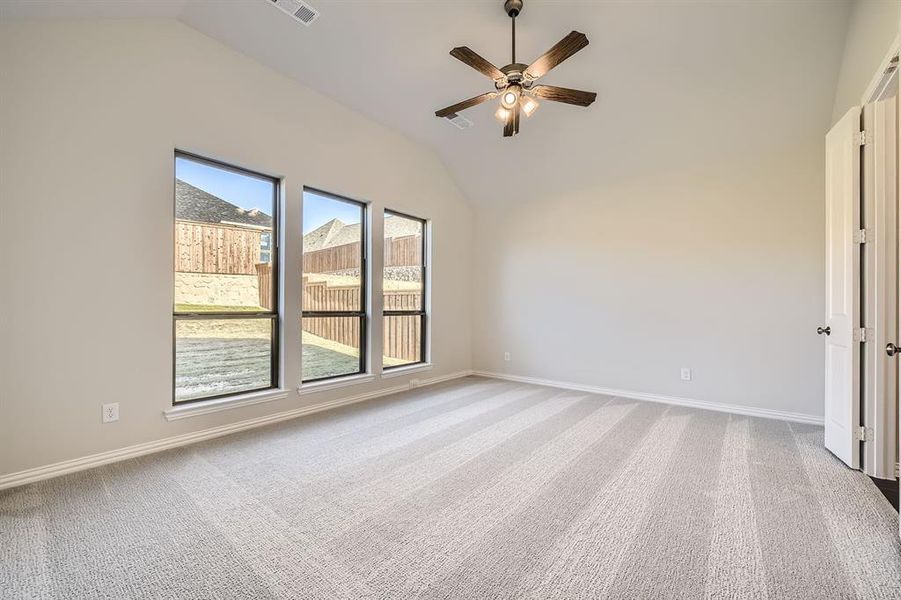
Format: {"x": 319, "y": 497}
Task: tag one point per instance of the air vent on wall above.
{"x": 459, "y": 121}
{"x": 301, "y": 11}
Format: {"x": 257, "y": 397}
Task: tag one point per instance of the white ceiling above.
{"x": 680, "y": 84}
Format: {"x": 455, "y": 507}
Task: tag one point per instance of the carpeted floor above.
{"x": 469, "y": 489}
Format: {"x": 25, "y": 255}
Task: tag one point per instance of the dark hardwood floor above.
{"x": 889, "y": 489}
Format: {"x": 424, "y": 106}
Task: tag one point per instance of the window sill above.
{"x": 331, "y": 384}
{"x": 195, "y": 409}
{"x": 401, "y": 371}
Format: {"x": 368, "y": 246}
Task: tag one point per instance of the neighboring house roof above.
{"x": 322, "y": 236}
{"x": 194, "y": 204}
{"x": 337, "y": 233}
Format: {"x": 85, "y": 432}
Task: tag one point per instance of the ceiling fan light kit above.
{"x": 515, "y": 82}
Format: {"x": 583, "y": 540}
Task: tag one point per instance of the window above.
{"x": 404, "y": 290}
{"x": 334, "y": 286}
{"x": 225, "y": 314}
{"x": 266, "y": 247}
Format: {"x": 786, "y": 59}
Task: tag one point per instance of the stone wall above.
{"x": 217, "y": 289}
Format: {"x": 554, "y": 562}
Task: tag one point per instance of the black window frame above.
{"x": 361, "y": 315}
{"x": 422, "y": 313}
{"x": 274, "y": 315}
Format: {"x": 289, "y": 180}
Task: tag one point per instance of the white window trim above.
{"x": 331, "y": 384}
{"x": 205, "y": 407}
{"x": 406, "y": 370}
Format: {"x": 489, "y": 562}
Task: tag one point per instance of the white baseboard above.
{"x": 736, "y": 409}
{"x": 103, "y": 458}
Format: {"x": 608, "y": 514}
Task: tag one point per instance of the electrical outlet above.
{"x": 507, "y": 356}
{"x": 110, "y": 412}
{"x": 414, "y": 383}
{"x": 686, "y": 374}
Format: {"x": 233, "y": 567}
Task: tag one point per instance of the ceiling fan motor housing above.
{"x": 513, "y": 7}
{"x": 514, "y": 73}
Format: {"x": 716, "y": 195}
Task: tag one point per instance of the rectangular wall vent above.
{"x": 459, "y": 121}
{"x": 299, "y": 10}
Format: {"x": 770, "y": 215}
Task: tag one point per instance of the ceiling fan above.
{"x": 515, "y": 83}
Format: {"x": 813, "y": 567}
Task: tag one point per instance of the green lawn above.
{"x": 205, "y": 308}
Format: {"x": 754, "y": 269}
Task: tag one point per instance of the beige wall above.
{"x": 91, "y": 112}
{"x": 872, "y": 28}
{"x": 717, "y": 268}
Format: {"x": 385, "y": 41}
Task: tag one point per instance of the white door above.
{"x": 879, "y": 174}
{"x": 843, "y": 288}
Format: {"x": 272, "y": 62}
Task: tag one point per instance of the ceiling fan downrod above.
{"x": 513, "y": 8}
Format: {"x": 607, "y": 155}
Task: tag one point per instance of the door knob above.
{"x": 892, "y": 349}
{"x": 822, "y": 330}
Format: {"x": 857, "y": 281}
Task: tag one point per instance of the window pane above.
{"x": 403, "y": 340}
{"x": 403, "y": 263}
{"x": 331, "y": 346}
{"x": 332, "y": 253}
{"x": 221, "y": 356}
{"x": 223, "y": 233}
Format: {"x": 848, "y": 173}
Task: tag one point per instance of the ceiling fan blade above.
{"x": 562, "y": 50}
{"x": 510, "y": 123}
{"x": 475, "y": 61}
{"x": 566, "y": 95}
{"x": 455, "y": 108}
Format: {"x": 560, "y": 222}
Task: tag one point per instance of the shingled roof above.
{"x": 194, "y": 204}
{"x": 337, "y": 233}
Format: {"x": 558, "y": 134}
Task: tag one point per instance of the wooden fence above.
{"x": 344, "y": 330}
{"x": 401, "y": 336}
{"x": 399, "y": 252}
{"x": 235, "y": 250}
{"x": 216, "y": 248}
{"x": 264, "y": 279}
{"x": 404, "y": 251}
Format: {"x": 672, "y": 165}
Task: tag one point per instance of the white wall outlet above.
{"x": 110, "y": 412}
{"x": 507, "y": 356}
{"x": 685, "y": 374}
{"x": 415, "y": 383}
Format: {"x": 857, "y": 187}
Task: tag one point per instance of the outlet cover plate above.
{"x": 110, "y": 412}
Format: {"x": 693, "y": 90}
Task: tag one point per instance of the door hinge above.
{"x": 861, "y": 236}
{"x": 863, "y": 434}
{"x": 860, "y": 334}
{"x": 861, "y": 138}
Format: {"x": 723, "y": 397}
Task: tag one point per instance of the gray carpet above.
{"x": 469, "y": 489}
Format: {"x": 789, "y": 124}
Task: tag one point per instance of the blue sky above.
{"x": 318, "y": 209}
{"x": 240, "y": 190}
{"x": 249, "y": 192}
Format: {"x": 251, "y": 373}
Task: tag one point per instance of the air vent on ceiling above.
{"x": 298, "y": 9}
{"x": 459, "y": 121}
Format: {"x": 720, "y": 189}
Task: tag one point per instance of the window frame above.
{"x": 274, "y": 315}
{"x": 363, "y": 314}
{"x": 423, "y": 312}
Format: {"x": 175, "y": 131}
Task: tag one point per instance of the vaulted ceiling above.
{"x": 679, "y": 83}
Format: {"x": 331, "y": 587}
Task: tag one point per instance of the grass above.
{"x": 389, "y": 285}
{"x": 206, "y": 308}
